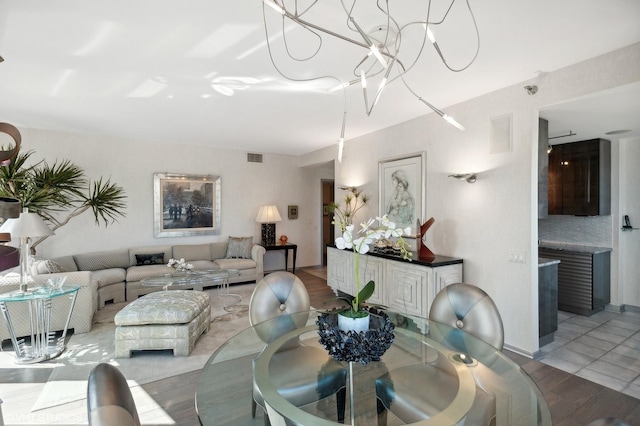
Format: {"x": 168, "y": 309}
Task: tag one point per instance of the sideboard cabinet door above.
{"x": 340, "y": 270}
{"x": 442, "y": 276}
{"x": 407, "y": 288}
{"x": 373, "y": 269}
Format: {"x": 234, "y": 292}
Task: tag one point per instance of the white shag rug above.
{"x": 66, "y": 388}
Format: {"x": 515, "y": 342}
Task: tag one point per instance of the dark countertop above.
{"x": 543, "y": 261}
{"x": 438, "y": 261}
{"x": 572, "y": 247}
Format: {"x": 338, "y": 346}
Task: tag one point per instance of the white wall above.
{"x": 132, "y": 163}
{"x": 629, "y": 241}
{"x": 483, "y": 222}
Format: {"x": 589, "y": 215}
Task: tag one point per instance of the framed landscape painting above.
{"x": 402, "y": 183}
{"x": 186, "y": 205}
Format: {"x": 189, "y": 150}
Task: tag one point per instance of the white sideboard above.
{"x": 408, "y": 287}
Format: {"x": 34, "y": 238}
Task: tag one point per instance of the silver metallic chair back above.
{"x": 463, "y": 318}
{"x": 468, "y": 308}
{"x": 109, "y": 399}
{"x": 294, "y": 368}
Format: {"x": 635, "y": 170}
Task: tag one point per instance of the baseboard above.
{"x": 631, "y": 308}
{"x": 614, "y": 308}
{"x": 520, "y": 351}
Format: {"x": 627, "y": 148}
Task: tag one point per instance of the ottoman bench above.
{"x": 171, "y": 319}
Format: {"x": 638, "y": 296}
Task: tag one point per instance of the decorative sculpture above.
{"x": 423, "y": 251}
{"x": 9, "y": 207}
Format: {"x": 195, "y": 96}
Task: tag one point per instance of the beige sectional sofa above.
{"x": 115, "y": 275}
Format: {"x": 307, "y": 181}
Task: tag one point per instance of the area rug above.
{"x": 67, "y": 382}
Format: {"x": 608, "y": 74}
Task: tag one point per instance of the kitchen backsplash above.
{"x": 590, "y": 231}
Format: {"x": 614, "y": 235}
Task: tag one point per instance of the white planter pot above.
{"x": 355, "y": 324}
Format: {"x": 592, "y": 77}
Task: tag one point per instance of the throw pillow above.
{"x": 239, "y": 247}
{"x": 150, "y": 259}
{"x": 39, "y": 266}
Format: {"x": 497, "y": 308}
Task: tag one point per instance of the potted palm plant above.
{"x": 59, "y": 192}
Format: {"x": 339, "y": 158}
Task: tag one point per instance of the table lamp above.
{"x": 26, "y": 226}
{"x": 268, "y": 216}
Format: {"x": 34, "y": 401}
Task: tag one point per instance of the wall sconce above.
{"x": 469, "y": 177}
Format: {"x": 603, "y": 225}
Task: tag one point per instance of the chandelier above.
{"x": 389, "y": 40}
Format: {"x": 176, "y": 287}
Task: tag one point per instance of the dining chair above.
{"x": 462, "y": 317}
{"x": 294, "y": 369}
{"x": 109, "y": 399}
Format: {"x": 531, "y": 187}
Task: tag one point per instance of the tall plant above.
{"x": 60, "y": 190}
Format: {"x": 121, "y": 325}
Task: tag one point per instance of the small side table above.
{"x": 43, "y": 344}
{"x": 286, "y": 248}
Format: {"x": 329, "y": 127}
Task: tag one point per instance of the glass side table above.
{"x": 43, "y": 344}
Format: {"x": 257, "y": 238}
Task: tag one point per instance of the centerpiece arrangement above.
{"x": 360, "y": 332}
{"x": 180, "y": 265}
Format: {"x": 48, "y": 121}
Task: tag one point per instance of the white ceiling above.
{"x": 199, "y": 72}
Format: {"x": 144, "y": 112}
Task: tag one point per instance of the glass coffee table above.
{"x": 198, "y": 280}
{"x": 43, "y": 344}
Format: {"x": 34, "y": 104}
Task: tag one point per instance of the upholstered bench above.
{"x": 171, "y": 319}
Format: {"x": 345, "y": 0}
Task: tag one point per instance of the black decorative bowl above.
{"x": 362, "y": 347}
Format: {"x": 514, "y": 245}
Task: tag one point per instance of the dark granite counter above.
{"x": 543, "y": 261}
{"x": 572, "y": 247}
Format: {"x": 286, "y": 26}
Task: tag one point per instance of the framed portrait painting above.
{"x": 402, "y": 183}
{"x": 186, "y": 205}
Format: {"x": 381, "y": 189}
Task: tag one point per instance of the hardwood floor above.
{"x": 571, "y": 399}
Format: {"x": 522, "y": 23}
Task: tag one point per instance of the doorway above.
{"x": 328, "y": 230}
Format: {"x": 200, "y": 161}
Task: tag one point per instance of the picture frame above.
{"x": 292, "y": 212}
{"x": 186, "y": 205}
{"x": 402, "y": 186}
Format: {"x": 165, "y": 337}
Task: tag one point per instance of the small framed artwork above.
{"x": 293, "y": 212}
{"x": 186, "y": 205}
{"x": 402, "y": 186}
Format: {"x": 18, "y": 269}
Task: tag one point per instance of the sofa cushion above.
{"x": 218, "y": 250}
{"x": 166, "y": 249}
{"x": 191, "y": 252}
{"x": 150, "y": 259}
{"x": 102, "y": 260}
{"x": 106, "y": 277}
{"x": 235, "y": 263}
{"x": 239, "y": 248}
{"x": 38, "y": 266}
{"x": 137, "y": 273}
{"x": 67, "y": 263}
{"x": 204, "y": 265}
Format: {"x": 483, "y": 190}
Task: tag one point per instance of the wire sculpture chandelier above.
{"x": 397, "y": 35}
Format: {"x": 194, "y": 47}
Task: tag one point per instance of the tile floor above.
{"x": 603, "y": 348}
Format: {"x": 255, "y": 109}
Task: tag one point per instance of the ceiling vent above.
{"x": 254, "y": 158}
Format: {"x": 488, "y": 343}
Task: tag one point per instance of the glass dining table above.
{"x": 453, "y": 374}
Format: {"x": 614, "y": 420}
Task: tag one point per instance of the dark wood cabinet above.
{"x": 547, "y": 300}
{"x": 584, "y": 284}
{"x": 580, "y": 178}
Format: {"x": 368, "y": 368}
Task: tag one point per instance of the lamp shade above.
{"x": 268, "y": 214}
{"x": 26, "y": 225}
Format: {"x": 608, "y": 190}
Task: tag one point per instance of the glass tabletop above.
{"x": 36, "y": 293}
{"x": 426, "y": 360}
{"x": 191, "y": 277}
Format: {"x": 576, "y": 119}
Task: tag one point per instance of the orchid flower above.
{"x": 362, "y": 245}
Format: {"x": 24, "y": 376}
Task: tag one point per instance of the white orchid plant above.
{"x": 360, "y": 242}
{"x": 180, "y": 265}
